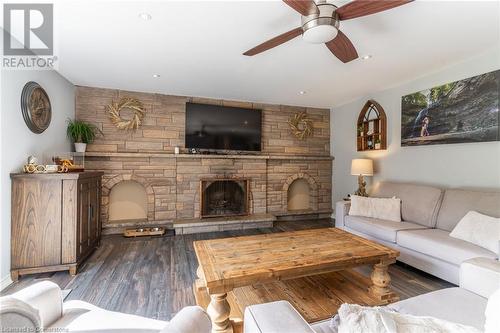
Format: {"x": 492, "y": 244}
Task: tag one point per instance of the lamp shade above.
{"x": 362, "y": 166}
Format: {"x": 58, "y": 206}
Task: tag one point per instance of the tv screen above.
{"x": 222, "y": 127}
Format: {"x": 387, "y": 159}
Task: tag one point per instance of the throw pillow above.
{"x": 379, "y": 208}
{"x": 356, "y": 318}
{"x": 479, "y": 229}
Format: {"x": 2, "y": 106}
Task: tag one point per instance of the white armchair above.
{"x": 40, "y": 307}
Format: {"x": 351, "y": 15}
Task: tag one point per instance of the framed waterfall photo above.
{"x": 456, "y": 112}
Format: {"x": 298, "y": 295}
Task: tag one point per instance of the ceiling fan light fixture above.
{"x": 322, "y": 27}
{"x": 320, "y": 34}
{"x": 320, "y": 22}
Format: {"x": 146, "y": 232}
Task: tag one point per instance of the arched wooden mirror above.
{"x": 372, "y": 127}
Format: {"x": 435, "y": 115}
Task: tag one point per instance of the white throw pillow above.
{"x": 479, "y": 229}
{"x": 356, "y": 318}
{"x": 379, "y": 208}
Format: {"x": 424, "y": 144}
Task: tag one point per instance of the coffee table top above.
{"x": 228, "y": 263}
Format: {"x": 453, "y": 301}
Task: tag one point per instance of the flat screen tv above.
{"x": 214, "y": 127}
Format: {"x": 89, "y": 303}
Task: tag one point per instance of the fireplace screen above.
{"x": 224, "y": 197}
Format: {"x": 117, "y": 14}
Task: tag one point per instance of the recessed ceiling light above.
{"x": 366, "y": 57}
{"x": 145, "y": 16}
{"x": 302, "y": 92}
{"x": 156, "y": 75}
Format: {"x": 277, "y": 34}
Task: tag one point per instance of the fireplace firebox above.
{"x": 224, "y": 197}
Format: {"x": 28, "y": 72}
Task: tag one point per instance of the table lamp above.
{"x": 361, "y": 167}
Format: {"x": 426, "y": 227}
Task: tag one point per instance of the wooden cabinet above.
{"x": 55, "y": 221}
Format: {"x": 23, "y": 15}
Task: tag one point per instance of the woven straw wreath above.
{"x": 300, "y": 125}
{"x": 135, "y": 105}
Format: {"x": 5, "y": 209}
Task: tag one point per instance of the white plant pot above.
{"x": 377, "y": 146}
{"x": 80, "y": 147}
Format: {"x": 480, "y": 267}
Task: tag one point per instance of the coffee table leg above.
{"x": 219, "y": 311}
{"x": 381, "y": 280}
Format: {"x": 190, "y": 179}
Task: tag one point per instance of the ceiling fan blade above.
{"x": 358, "y": 8}
{"x": 342, "y": 48}
{"x": 304, "y": 7}
{"x": 278, "y": 40}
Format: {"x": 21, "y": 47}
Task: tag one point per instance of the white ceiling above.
{"x": 196, "y": 48}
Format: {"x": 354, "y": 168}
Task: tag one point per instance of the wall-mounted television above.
{"x": 214, "y": 127}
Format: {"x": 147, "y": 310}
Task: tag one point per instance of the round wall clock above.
{"x": 35, "y": 105}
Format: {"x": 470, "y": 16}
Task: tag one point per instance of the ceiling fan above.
{"x": 320, "y": 24}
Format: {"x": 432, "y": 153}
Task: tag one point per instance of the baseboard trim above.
{"x": 5, "y": 282}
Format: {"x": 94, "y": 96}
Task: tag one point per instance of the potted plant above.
{"x": 360, "y": 130}
{"x": 377, "y": 144}
{"x": 81, "y": 133}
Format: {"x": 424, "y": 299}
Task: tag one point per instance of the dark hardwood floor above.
{"x": 153, "y": 277}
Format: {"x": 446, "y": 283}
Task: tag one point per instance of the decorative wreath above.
{"x": 300, "y": 125}
{"x": 115, "y": 108}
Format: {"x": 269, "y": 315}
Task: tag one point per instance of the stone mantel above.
{"x": 217, "y": 156}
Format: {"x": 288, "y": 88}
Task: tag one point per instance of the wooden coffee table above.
{"x": 310, "y": 268}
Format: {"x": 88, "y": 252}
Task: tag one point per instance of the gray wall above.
{"x": 18, "y": 142}
{"x": 475, "y": 165}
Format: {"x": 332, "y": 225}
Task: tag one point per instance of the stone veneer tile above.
{"x": 163, "y": 126}
{"x": 173, "y": 183}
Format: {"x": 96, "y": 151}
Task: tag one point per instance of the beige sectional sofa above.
{"x": 428, "y": 214}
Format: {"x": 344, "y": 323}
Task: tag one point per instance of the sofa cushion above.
{"x": 381, "y": 229}
{"x": 438, "y": 244}
{"x": 452, "y": 304}
{"x": 457, "y": 203}
{"x": 419, "y": 204}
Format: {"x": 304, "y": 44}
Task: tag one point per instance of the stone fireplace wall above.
{"x": 172, "y": 182}
{"x": 163, "y": 126}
